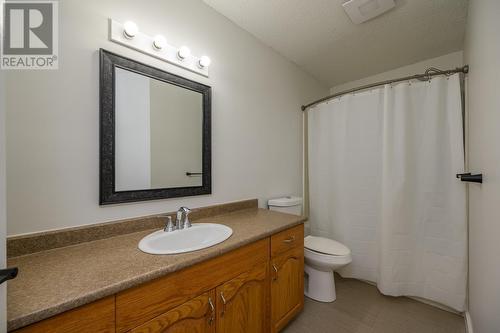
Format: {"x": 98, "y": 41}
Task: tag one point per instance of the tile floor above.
{"x": 360, "y": 308}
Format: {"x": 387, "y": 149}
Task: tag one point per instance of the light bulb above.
{"x": 159, "y": 42}
{"x": 183, "y": 52}
{"x": 130, "y": 29}
{"x": 204, "y": 62}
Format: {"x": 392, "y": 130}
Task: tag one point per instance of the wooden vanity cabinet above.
{"x": 256, "y": 288}
{"x": 237, "y": 306}
{"x": 287, "y": 276}
{"x": 138, "y": 305}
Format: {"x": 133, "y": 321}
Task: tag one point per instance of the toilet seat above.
{"x": 326, "y": 260}
{"x": 325, "y": 246}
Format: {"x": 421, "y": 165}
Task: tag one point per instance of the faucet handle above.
{"x": 186, "y": 211}
{"x": 169, "y": 225}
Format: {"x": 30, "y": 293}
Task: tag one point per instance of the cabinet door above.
{"x": 242, "y": 303}
{"x": 195, "y": 316}
{"x": 287, "y": 287}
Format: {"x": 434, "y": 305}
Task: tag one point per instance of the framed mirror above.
{"x": 155, "y": 133}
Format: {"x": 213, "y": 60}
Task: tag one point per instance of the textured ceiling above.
{"x": 319, "y": 37}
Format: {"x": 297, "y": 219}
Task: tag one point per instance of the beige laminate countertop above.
{"x": 58, "y": 280}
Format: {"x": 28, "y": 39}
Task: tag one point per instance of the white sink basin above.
{"x": 199, "y": 236}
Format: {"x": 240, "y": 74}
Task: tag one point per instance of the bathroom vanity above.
{"x": 252, "y": 282}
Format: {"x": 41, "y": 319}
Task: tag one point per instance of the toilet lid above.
{"x": 325, "y": 245}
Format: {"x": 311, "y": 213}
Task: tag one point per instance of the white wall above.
{"x": 132, "y": 131}
{"x": 447, "y": 61}
{"x": 482, "y": 52}
{"x": 53, "y": 116}
{"x": 176, "y": 135}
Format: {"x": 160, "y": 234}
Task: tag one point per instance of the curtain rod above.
{"x": 429, "y": 72}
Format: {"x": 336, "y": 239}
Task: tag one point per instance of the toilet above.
{"x": 322, "y": 255}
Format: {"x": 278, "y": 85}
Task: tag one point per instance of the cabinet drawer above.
{"x": 287, "y": 240}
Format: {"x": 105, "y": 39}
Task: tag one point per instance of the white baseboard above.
{"x": 468, "y": 322}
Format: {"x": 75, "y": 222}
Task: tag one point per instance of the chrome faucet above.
{"x": 182, "y": 220}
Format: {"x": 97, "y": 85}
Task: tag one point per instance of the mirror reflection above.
{"x": 158, "y": 133}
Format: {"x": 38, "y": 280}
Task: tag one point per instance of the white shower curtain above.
{"x": 382, "y": 167}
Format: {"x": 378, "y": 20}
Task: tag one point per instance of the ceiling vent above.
{"x": 360, "y": 11}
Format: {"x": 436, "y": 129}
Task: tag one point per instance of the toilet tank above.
{"x": 290, "y": 205}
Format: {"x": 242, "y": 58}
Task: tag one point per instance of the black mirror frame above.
{"x": 107, "y": 193}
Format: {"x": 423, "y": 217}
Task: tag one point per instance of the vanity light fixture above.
{"x": 159, "y": 42}
{"x": 204, "y": 62}
{"x": 183, "y": 52}
{"x": 128, "y": 34}
{"x": 130, "y": 29}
